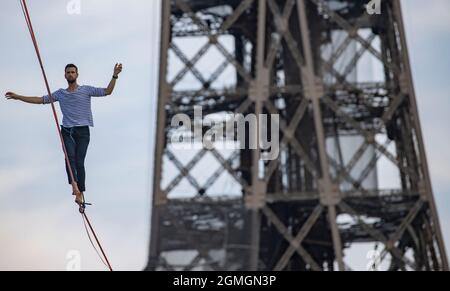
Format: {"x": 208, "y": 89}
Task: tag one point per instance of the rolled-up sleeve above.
{"x": 96, "y": 92}
{"x": 46, "y": 98}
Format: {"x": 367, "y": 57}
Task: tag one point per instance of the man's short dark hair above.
{"x": 71, "y": 66}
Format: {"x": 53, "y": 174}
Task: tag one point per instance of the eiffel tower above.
{"x": 351, "y": 169}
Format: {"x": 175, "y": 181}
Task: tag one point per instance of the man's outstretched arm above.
{"x": 26, "y": 99}
{"x": 117, "y": 70}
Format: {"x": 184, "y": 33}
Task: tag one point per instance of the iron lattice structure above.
{"x": 304, "y": 210}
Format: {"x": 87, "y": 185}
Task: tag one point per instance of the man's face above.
{"x": 71, "y": 75}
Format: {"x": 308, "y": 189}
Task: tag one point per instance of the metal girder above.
{"x": 303, "y": 232}
{"x": 285, "y": 232}
{"x": 288, "y": 131}
{"x": 291, "y": 205}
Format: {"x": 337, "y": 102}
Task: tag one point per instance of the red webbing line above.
{"x": 55, "y": 115}
{"x": 98, "y": 242}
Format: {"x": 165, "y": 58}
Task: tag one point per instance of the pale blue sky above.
{"x": 39, "y": 220}
{"x": 39, "y": 223}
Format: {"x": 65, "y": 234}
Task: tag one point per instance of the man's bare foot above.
{"x": 79, "y": 198}
{"x": 75, "y": 189}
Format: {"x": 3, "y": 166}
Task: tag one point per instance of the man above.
{"x": 75, "y": 104}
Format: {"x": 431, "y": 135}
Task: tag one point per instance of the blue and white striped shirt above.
{"x": 76, "y": 106}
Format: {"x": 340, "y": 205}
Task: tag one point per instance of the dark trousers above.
{"x": 76, "y": 140}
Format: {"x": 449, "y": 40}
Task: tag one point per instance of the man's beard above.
{"x": 71, "y": 81}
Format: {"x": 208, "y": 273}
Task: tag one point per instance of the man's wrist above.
{"x": 115, "y": 77}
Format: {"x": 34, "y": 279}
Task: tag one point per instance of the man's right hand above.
{"x": 31, "y": 100}
{"x": 11, "y": 95}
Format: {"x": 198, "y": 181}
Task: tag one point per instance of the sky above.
{"x": 39, "y": 225}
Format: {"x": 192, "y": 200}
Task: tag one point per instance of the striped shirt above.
{"x": 76, "y": 106}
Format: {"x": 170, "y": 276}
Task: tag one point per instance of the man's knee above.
{"x": 72, "y": 159}
{"x": 80, "y": 164}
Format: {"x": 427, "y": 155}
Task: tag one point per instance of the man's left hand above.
{"x": 117, "y": 69}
